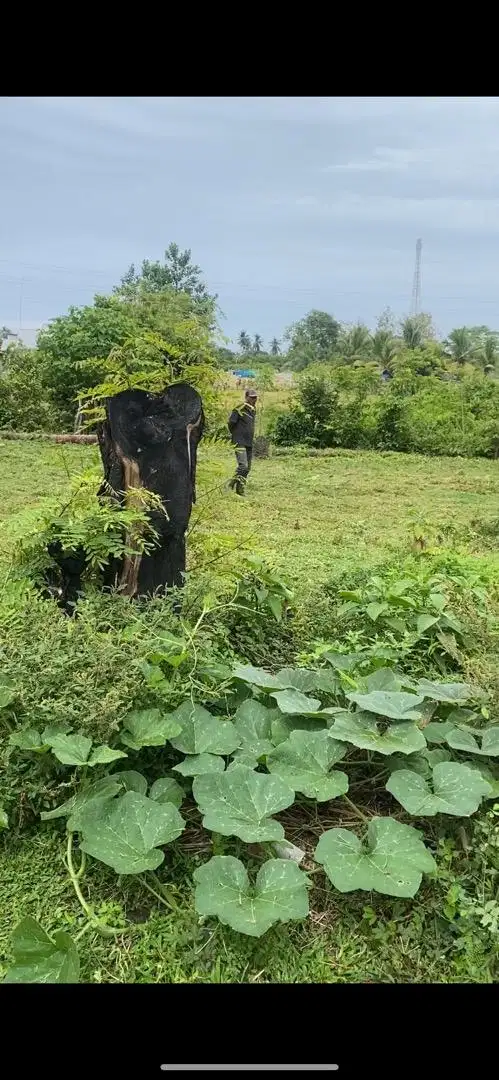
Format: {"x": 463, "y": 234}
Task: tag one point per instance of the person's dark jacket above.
{"x": 242, "y": 425}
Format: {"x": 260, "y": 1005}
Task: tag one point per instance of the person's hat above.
{"x": 251, "y": 393}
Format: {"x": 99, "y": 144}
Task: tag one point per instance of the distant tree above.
{"x": 176, "y": 273}
{"x": 257, "y": 344}
{"x": 386, "y": 323}
{"x": 244, "y": 342}
{"x": 460, "y": 346}
{"x": 384, "y": 347}
{"x": 355, "y": 343}
{"x": 312, "y": 340}
{"x": 5, "y": 333}
{"x": 416, "y": 329}
{"x": 275, "y": 347}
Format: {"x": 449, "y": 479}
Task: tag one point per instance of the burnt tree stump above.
{"x": 150, "y": 441}
{"x": 146, "y": 441}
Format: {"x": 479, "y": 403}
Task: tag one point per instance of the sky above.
{"x": 288, "y": 204}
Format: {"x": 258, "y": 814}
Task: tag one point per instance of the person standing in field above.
{"x": 242, "y": 429}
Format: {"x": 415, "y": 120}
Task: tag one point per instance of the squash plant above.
{"x": 295, "y": 734}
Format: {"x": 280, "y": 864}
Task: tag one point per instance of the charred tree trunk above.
{"x": 149, "y": 441}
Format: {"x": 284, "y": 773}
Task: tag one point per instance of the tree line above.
{"x": 160, "y": 322}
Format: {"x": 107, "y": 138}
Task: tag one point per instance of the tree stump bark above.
{"x": 150, "y": 441}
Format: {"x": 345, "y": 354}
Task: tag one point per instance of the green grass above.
{"x": 315, "y": 518}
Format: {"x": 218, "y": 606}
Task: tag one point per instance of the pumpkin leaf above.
{"x": 39, "y": 958}
{"x": 457, "y": 790}
{"x": 452, "y": 693}
{"x": 294, "y": 703}
{"x": 200, "y": 765}
{"x": 167, "y": 790}
{"x": 396, "y": 705}
{"x": 364, "y": 731}
{"x": 392, "y": 861}
{"x": 460, "y": 739}
{"x": 148, "y": 727}
{"x": 127, "y": 833}
{"x": 240, "y": 802}
{"x": 305, "y": 762}
{"x": 223, "y": 889}
{"x": 202, "y": 733}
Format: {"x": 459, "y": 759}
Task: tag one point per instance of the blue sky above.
{"x": 287, "y": 203}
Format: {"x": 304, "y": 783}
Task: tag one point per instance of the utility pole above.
{"x": 416, "y": 285}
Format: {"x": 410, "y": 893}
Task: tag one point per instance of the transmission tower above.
{"x": 416, "y": 285}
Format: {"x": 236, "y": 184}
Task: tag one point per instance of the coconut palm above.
{"x": 244, "y": 341}
{"x": 355, "y": 343}
{"x": 460, "y": 346}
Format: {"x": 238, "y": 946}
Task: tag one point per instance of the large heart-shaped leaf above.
{"x": 457, "y": 790}
{"x": 240, "y": 802}
{"x": 294, "y": 703}
{"x": 77, "y": 750}
{"x": 364, "y": 731}
{"x": 131, "y": 780}
{"x": 200, "y": 765}
{"x": 223, "y": 889}
{"x": 460, "y": 739}
{"x": 103, "y": 755}
{"x": 305, "y": 762}
{"x": 382, "y": 679}
{"x": 148, "y": 727}
{"x": 453, "y": 693}
{"x": 253, "y": 722}
{"x": 256, "y": 677}
{"x": 167, "y": 790}
{"x": 282, "y": 726}
{"x": 487, "y": 774}
{"x": 39, "y": 958}
{"x": 396, "y": 705}
{"x": 437, "y": 731}
{"x": 202, "y": 733}
{"x": 128, "y": 832}
{"x": 392, "y": 861}
{"x": 297, "y": 679}
{"x": 30, "y": 740}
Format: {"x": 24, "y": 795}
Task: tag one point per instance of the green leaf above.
{"x": 343, "y": 661}
{"x": 106, "y": 788}
{"x": 172, "y": 650}
{"x": 148, "y": 727}
{"x": 256, "y": 677}
{"x": 459, "y": 739}
{"x": 297, "y": 679}
{"x": 253, "y": 722}
{"x": 202, "y": 733}
{"x": 392, "y": 862}
{"x": 6, "y": 696}
{"x": 453, "y": 693}
{"x": 374, "y": 610}
{"x": 364, "y": 731}
{"x": 423, "y": 623}
{"x": 39, "y": 958}
{"x": 294, "y": 703}
{"x": 282, "y": 726}
{"x": 393, "y": 704}
{"x": 457, "y": 790}
{"x": 488, "y": 775}
{"x": 240, "y": 803}
{"x": 223, "y": 889}
{"x": 381, "y": 679}
{"x": 29, "y": 740}
{"x": 437, "y": 731}
{"x": 71, "y": 749}
{"x": 102, "y": 755}
{"x": 305, "y": 762}
{"x": 129, "y": 831}
{"x": 167, "y": 790}
{"x": 200, "y": 765}
{"x": 131, "y": 780}
{"x": 4, "y": 819}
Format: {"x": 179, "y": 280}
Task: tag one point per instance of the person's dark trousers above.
{"x": 244, "y": 455}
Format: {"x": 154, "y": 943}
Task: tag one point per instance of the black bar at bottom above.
{"x": 249, "y": 1068}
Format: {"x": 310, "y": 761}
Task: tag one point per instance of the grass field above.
{"x": 316, "y": 519}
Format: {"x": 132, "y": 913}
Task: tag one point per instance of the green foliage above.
{"x": 126, "y": 833}
{"x": 39, "y": 958}
{"x": 392, "y": 861}
{"x": 223, "y": 889}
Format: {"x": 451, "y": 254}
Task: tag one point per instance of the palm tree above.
{"x": 355, "y": 343}
{"x": 488, "y": 353}
{"x": 412, "y": 332}
{"x": 244, "y": 342}
{"x": 275, "y": 347}
{"x": 384, "y": 347}
{"x": 460, "y": 346}
{"x": 257, "y": 343}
